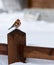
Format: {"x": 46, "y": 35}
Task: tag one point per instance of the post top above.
{"x": 16, "y": 31}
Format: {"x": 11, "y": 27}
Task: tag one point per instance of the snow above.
{"x": 1, "y": 5}
{"x": 20, "y": 63}
{"x": 29, "y": 61}
{"x": 3, "y": 60}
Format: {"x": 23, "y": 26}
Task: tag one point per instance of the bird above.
{"x": 16, "y": 24}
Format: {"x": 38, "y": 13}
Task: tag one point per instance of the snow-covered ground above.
{"x": 3, "y": 60}
{"x": 30, "y": 61}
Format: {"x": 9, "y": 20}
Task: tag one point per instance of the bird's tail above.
{"x": 10, "y": 27}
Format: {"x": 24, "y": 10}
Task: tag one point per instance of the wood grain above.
{"x": 39, "y": 52}
{"x": 3, "y": 49}
{"x": 16, "y": 43}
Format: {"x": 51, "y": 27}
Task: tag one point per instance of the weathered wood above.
{"x": 39, "y": 52}
{"x": 16, "y": 43}
{"x": 3, "y": 49}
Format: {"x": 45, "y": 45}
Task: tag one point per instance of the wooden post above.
{"x": 16, "y": 43}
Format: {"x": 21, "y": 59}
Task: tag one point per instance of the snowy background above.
{"x": 38, "y": 32}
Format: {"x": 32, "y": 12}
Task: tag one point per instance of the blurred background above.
{"x": 27, "y": 11}
{"x": 21, "y": 4}
{"x": 15, "y": 4}
{"x": 45, "y": 8}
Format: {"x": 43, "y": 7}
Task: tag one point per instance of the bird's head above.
{"x": 18, "y": 22}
